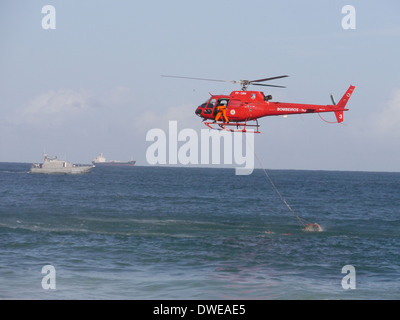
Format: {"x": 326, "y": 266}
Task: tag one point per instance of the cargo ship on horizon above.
{"x": 101, "y": 161}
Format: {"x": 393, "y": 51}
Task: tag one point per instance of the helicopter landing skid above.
{"x": 240, "y": 126}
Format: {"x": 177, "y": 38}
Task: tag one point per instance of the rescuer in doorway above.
{"x": 222, "y": 111}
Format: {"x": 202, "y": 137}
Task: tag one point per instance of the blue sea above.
{"x": 198, "y": 233}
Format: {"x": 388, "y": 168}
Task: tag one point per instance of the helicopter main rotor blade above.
{"x": 243, "y": 83}
{"x": 267, "y": 85}
{"x": 195, "y": 78}
{"x": 267, "y": 79}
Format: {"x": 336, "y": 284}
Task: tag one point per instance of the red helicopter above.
{"x": 246, "y": 106}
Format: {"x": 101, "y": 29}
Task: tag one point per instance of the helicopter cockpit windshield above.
{"x": 203, "y": 104}
{"x": 211, "y": 103}
{"x": 210, "y": 106}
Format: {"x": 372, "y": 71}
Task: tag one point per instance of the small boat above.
{"x": 54, "y": 165}
{"x": 100, "y": 161}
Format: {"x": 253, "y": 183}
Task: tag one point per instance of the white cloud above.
{"x": 119, "y": 95}
{"x": 388, "y": 120}
{"x": 61, "y": 103}
{"x": 57, "y": 107}
{"x": 183, "y": 114}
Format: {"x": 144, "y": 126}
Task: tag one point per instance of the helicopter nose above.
{"x": 198, "y": 111}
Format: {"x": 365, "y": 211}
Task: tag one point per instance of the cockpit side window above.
{"x": 235, "y": 103}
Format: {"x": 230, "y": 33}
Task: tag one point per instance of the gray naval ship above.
{"x": 54, "y": 165}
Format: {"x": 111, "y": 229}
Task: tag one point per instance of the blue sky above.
{"x": 93, "y": 84}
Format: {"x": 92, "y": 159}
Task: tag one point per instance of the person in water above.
{"x": 313, "y": 227}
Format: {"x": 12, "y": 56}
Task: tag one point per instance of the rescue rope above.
{"x": 301, "y": 221}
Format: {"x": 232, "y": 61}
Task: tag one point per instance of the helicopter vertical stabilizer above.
{"x": 342, "y": 103}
